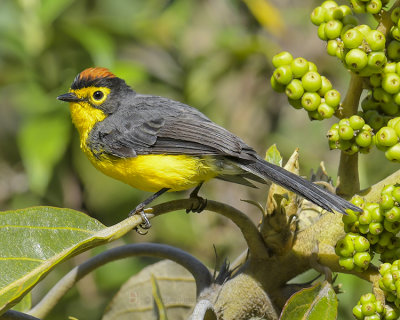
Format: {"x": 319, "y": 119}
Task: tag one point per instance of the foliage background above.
{"x": 214, "y": 55}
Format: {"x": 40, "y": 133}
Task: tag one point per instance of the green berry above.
{"x": 392, "y": 122}
{"x": 358, "y": 313}
{"x": 344, "y": 247}
{"x": 376, "y": 40}
{"x": 396, "y": 98}
{"x": 363, "y": 228}
{"x": 333, "y": 28}
{"x": 329, "y": 4}
{"x": 356, "y": 59}
{"x": 374, "y": 6}
{"x": 364, "y": 139}
{"x": 356, "y": 122}
{"x": 363, "y": 28}
{"x": 281, "y": 59}
{"x": 390, "y": 67}
{"x": 352, "y": 39}
{"x": 385, "y": 238}
{"x": 392, "y": 227}
{"x": 376, "y": 60}
{"x": 384, "y": 268}
{"x": 326, "y": 85}
{"x": 388, "y": 282}
{"x": 365, "y": 217}
{"x": 386, "y": 202}
{"x": 295, "y": 103}
{"x": 332, "y": 98}
{"x": 278, "y": 87}
{"x": 331, "y": 47}
{"x": 386, "y": 136}
{"x": 375, "y": 228}
{"x": 395, "y": 15}
{"x": 396, "y": 194}
{"x": 393, "y": 153}
{"x": 346, "y": 132}
{"x": 362, "y": 259}
{"x": 397, "y": 128}
{"x": 358, "y": 6}
{"x": 299, "y": 67}
{"x": 326, "y": 111}
{"x": 312, "y": 66}
{"x": 294, "y": 90}
{"x": 350, "y": 218}
{"x": 350, "y": 20}
{"x": 368, "y": 309}
{"x": 376, "y": 79}
{"x": 390, "y": 108}
{"x": 346, "y": 263}
{"x": 321, "y": 31}
{"x": 393, "y": 214}
{"x": 393, "y": 50}
{"x": 310, "y": 101}
{"x": 373, "y": 238}
{"x": 311, "y": 81}
{"x": 391, "y": 83}
{"x": 361, "y": 244}
{"x": 283, "y": 74}
{"x": 395, "y": 32}
{"x": 318, "y": 16}
{"x": 334, "y": 13}
{"x": 388, "y": 189}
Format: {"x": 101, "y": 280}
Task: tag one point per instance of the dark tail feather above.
{"x": 299, "y": 185}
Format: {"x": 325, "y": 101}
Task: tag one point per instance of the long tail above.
{"x": 302, "y": 187}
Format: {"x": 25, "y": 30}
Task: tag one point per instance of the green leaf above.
{"x": 273, "y": 155}
{"x": 42, "y": 142}
{"x": 51, "y": 9}
{"x": 35, "y": 240}
{"x": 314, "y": 303}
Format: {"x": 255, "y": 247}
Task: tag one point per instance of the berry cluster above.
{"x": 369, "y": 308}
{"x": 371, "y": 231}
{"x": 370, "y": 6}
{"x": 351, "y": 135}
{"x": 354, "y": 252}
{"x": 390, "y": 282}
{"x": 304, "y": 86}
{"x": 387, "y": 139}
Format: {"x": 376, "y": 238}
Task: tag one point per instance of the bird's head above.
{"x": 95, "y": 93}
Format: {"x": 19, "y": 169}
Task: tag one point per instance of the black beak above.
{"x": 69, "y": 97}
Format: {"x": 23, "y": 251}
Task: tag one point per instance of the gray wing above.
{"x": 156, "y": 125}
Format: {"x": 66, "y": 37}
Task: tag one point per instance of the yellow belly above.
{"x": 154, "y": 172}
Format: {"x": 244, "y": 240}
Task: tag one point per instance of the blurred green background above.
{"x": 213, "y": 55}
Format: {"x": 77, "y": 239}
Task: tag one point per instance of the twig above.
{"x": 199, "y": 271}
{"x": 16, "y": 315}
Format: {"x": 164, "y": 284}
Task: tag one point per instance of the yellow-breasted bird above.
{"x": 158, "y": 144}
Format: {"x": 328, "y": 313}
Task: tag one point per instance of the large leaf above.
{"x": 162, "y": 289}
{"x": 34, "y": 240}
{"x": 314, "y": 303}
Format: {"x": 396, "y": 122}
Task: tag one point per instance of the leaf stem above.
{"x": 199, "y": 271}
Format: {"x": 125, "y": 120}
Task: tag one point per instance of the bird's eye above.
{"x": 98, "y": 95}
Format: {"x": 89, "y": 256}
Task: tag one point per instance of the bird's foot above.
{"x": 145, "y": 225}
{"x": 201, "y": 202}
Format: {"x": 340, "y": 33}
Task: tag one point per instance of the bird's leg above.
{"x": 140, "y": 209}
{"x": 202, "y": 202}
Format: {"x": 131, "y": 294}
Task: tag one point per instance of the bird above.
{"x": 156, "y": 144}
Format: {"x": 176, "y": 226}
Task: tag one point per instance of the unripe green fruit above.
{"x": 392, "y": 227}
{"x": 331, "y": 47}
{"x": 376, "y": 79}
{"x": 385, "y": 238}
{"x": 357, "y": 312}
{"x": 393, "y": 50}
{"x": 393, "y": 214}
{"x": 352, "y": 39}
{"x": 376, "y": 60}
{"x": 390, "y": 313}
{"x": 314, "y": 115}
{"x": 361, "y": 244}
{"x": 395, "y": 15}
{"x": 332, "y": 98}
{"x": 326, "y": 85}
{"x": 351, "y": 216}
{"x": 326, "y": 111}
{"x": 346, "y": 10}
{"x": 295, "y": 103}
{"x": 373, "y": 238}
{"x": 386, "y": 202}
{"x": 374, "y": 6}
{"x": 375, "y": 228}
{"x": 356, "y": 122}
{"x": 386, "y": 136}
{"x": 281, "y": 59}
{"x": 333, "y": 28}
{"x": 364, "y": 139}
{"x": 283, "y": 74}
{"x": 344, "y": 247}
{"x": 391, "y": 83}
{"x": 397, "y": 127}
{"x": 395, "y": 32}
{"x": 358, "y": 6}
{"x": 388, "y": 282}
{"x": 388, "y": 189}
{"x": 365, "y": 217}
{"x": 392, "y": 122}
{"x": 294, "y": 90}
{"x": 369, "y": 103}
{"x": 346, "y": 132}
{"x": 299, "y": 67}
{"x": 363, "y": 228}
{"x": 310, "y": 101}
{"x": 321, "y": 31}
{"x": 333, "y": 14}
{"x": 356, "y": 59}
{"x": 311, "y": 81}
{"x": 346, "y": 262}
{"x": 278, "y": 87}
{"x": 376, "y": 40}
{"x": 318, "y": 16}
{"x": 362, "y": 259}
{"x": 379, "y": 94}
{"x": 396, "y": 194}
{"x": 329, "y": 4}
{"x": 390, "y": 108}
{"x": 384, "y": 268}
{"x": 368, "y": 309}
{"x": 390, "y": 67}
{"x": 312, "y": 66}
{"x": 393, "y": 153}
{"x": 363, "y": 28}
{"x": 333, "y": 135}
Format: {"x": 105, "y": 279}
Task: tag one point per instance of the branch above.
{"x": 252, "y": 236}
{"x": 199, "y": 271}
{"x": 348, "y": 180}
{"x": 16, "y": 315}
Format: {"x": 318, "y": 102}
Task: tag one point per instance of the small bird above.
{"x": 157, "y": 144}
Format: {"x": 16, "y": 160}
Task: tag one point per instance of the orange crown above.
{"x": 95, "y": 73}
